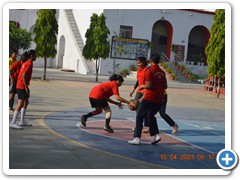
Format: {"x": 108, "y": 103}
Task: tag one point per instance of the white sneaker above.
{"x": 135, "y": 141}
{"x": 15, "y": 126}
{"x": 25, "y": 124}
{"x": 78, "y": 125}
{"x": 156, "y": 139}
{"x": 175, "y": 129}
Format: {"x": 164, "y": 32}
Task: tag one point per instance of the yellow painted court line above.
{"x": 102, "y": 151}
{"x": 57, "y": 134}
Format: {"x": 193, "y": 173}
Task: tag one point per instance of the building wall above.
{"x": 82, "y": 17}
{"x": 27, "y": 19}
{"x": 71, "y": 52}
{"x": 143, "y": 20}
{"x": 72, "y": 55}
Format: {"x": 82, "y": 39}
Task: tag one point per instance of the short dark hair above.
{"x": 116, "y": 77}
{"x": 142, "y": 59}
{"x": 155, "y": 58}
{"x": 31, "y": 52}
{"x": 13, "y": 51}
{"x": 24, "y": 56}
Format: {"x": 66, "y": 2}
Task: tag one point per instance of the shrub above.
{"x": 169, "y": 70}
{"x": 124, "y": 72}
{"x": 133, "y": 67}
{"x": 163, "y": 64}
{"x": 173, "y": 75}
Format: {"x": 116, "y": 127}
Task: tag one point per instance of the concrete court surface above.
{"x": 53, "y": 142}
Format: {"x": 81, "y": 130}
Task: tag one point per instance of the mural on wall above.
{"x": 128, "y": 48}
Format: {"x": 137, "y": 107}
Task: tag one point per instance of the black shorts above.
{"x": 22, "y": 94}
{"x": 12, "y": 87}
{"x": 98, "y": 103}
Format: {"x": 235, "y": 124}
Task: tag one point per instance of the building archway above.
{"x": 31, "y": 29}
{"x": 33, "y": 35}
{"x": 197, "y": 41}
{"x": 161, "y": 41}
{"x": 61, "y": 52}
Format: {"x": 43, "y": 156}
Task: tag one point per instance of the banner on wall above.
{"x": 128, "y": 48}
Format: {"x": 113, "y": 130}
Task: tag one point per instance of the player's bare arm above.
{"x": 25, "y": 83}
{"x": 119, "y": 98}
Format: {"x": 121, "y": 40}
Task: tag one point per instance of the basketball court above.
{"x": 195, "y": 146}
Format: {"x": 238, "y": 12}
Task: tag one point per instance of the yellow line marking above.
{"x": 102, "y": 151}
{"x": 54, "y": 132}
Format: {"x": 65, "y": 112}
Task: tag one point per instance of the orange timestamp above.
{"x": 187, "y": 157}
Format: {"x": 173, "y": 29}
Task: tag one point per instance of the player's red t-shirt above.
{"x": 26, "y": 68}
{"x": 141, "y": 77}
{"x": 104, "y": 90}
{"x": 157, "y": 76}
{"x": 15, "y": 69}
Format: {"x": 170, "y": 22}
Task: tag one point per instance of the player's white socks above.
{"x": 23, "y": 112}
{"x": 15, "y": 116}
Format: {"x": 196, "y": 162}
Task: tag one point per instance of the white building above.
{"x": 180, "y": 35}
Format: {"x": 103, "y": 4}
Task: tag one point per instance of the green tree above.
{"x": 215, "y": 49}
{"x": 97, "y": 45}
{"x": 18, "y": 38}
{"x": 46, "y": 30}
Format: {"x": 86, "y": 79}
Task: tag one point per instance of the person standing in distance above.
{"x": 23, "y": 91}
{"x": 12, "y": 59}
{"x": 155, "y": 83}
{"x": 100, "y": 96}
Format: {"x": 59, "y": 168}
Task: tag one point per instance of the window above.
{"x": 126, "y": 31}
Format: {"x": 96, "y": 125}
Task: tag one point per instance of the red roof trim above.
{"x": 199, "y": 11}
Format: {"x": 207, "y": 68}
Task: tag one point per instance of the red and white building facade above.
{"x": 179, "y": 34}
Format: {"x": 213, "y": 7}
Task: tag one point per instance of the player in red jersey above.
{"x": 154, "y": 87}
{"x": 99, "y": 98}
{"x": 14, "y": 72}
{"x": 141, "y": 71}
{"x": 23, "y": 91}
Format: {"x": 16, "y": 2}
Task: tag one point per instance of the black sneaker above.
{"x": 108, "y": 129}
{"x": 83, "y": 120}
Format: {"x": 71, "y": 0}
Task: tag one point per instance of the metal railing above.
{"x": 170, "y": 64}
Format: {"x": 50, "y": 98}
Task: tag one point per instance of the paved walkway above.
{"x": 55, "y": 143}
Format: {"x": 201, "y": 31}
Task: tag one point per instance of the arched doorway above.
{"x": 197, "y": 41}
{"x": 61, "y": 52}
{"x": 162, "y": 38}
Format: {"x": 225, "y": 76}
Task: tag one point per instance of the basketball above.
{"x": 134, "y": 105}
